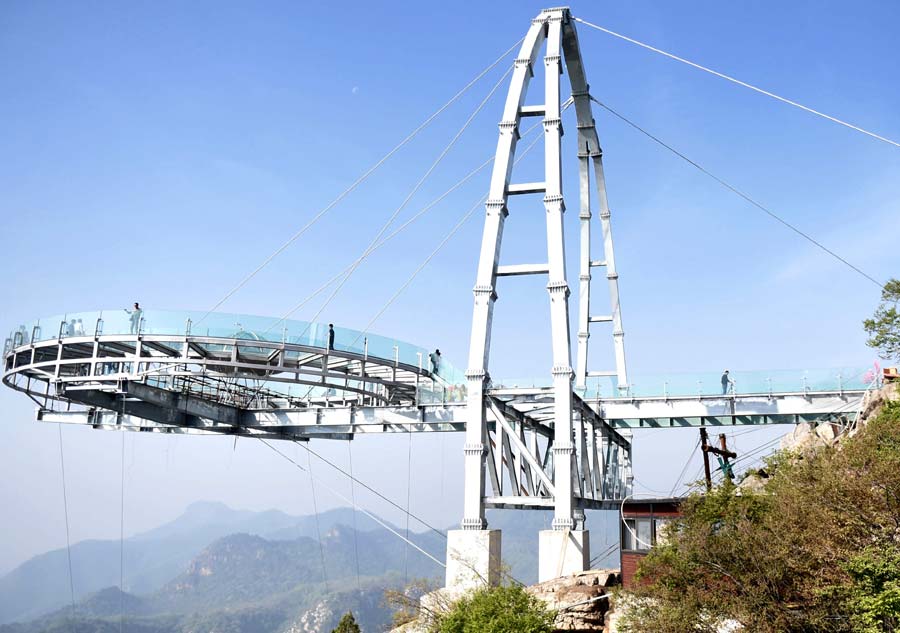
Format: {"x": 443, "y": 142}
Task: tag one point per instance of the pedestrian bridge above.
{"x": 188, "y": 372}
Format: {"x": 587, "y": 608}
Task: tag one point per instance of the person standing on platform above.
{"x": 330, "y": 336}
{"x": 727, "y": 382}
{"x": 435, "y": 358}
{"x": 135, "y": 316}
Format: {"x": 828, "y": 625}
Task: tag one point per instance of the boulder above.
{"x": 582, "y": 600}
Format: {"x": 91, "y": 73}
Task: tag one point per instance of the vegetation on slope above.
{"x": 502, "y": 609}
{"x": 884, "y": 326}
{"x": 817, "y": 550}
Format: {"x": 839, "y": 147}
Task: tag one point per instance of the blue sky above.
{"x": 158, "y": 152}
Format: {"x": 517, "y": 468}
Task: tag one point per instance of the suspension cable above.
{"x": 312, "y": 486}
{"x": 386, "y": 239}
{"x": 346, "y": 500}
{"x": 441, "y": 245}
{"x": 62, "y": 468}
{"x": 122, "y": 537}
{"x": 358, "y": 182}
{"x": 741, "y": 83}
{"x": 371, "y": 489}
{"x": 409, "y": 196}
{"x": 408, "y": 496}
{"x": 353, "y": 499}
{"x": 740, "y": 193}
{"x": 402, "y": 227}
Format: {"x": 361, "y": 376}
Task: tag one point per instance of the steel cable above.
{"x": 741, "y": 83}
{"x": 62, "y": 468}
{"x": 406, "y": 200}
{"x": 740, "y": 193}
{"x": 357, "y": 182}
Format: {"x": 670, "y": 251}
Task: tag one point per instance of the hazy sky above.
{"x": 159, "y": 151}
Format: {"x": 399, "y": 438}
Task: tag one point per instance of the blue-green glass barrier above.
{"x": 219, "y": 325}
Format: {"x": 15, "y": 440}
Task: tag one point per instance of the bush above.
{"x": 504, "y": 609}
{"x": 818, "y": 550}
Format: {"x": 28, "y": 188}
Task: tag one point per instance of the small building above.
{"x": 643, "y": 525}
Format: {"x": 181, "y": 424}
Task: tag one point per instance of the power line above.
{"x": 357, "y": 182}
{"x": 409, "y": 197}
{"x": 740, "y": 193}
{"x": 742, "y": 83}
{"x": 684, "y": 470}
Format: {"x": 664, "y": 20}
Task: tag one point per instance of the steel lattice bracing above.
{"x": 577, "y": 437}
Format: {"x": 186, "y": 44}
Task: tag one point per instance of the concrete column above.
{"x": 563, "y": 552}
{"x": 473, "y": 559}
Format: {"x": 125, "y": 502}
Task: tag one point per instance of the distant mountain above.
{"x": 152, "y": 558}
{"x": 265, "y": 577}
{"x": 248, "y": 584}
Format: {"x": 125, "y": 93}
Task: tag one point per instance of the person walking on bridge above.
{"x": 330, "y": 336}
{"x": 727, "y": 383}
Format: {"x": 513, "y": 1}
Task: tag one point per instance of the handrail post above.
{"x": 418, "y": 374}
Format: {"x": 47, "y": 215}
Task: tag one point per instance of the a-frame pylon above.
{"x": 564, "y": 549}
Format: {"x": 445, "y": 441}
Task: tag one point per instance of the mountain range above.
{"x": 224, "y": 570}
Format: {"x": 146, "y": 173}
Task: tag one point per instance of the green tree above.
{"x": 347, "y": 624}
{"x": 884, "y": 326}
{"x": 817, "y": 550}
{"x": 503, "y": 609}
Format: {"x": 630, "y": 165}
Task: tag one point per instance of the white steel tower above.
{"x": 565, "y": 548}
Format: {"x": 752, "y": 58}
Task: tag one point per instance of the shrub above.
{"x": 503, "y": 609}
{"x": 817, "y": 550}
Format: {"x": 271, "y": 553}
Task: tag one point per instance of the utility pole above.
{"x": 722, "y": 452}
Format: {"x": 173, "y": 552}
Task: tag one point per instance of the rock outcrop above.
{"x": 581, "y": 600}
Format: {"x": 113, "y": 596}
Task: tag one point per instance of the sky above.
{"x": 158, "y": 152}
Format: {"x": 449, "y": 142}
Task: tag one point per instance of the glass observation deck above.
{"x": 249, "y": 327}
{"x": 227, "y": 326}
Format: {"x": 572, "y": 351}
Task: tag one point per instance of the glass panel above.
{"x": 644, "y": 534}
{"x": 660, "y": 526}
{"x": 628, "y": 541}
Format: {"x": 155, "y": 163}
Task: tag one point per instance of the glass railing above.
{"x": 735, "y": 383}
{"x": 707, "y": 383}
{"x": 452, "y": 382}
{"x": 219, "y": 325}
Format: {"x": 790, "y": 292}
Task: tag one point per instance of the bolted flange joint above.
{"x": 473, "y": 524}
{"x": 476, "y": 374}
{"x": 563, "y": 524}
{"x": 496, "y": 206}
{"x": 484, "y": 291}
{"x": 509, "y": 127}
{"x": 474, "y": 449}
{"x": 558, "y": 287}
{"x": 562, "y": 371}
